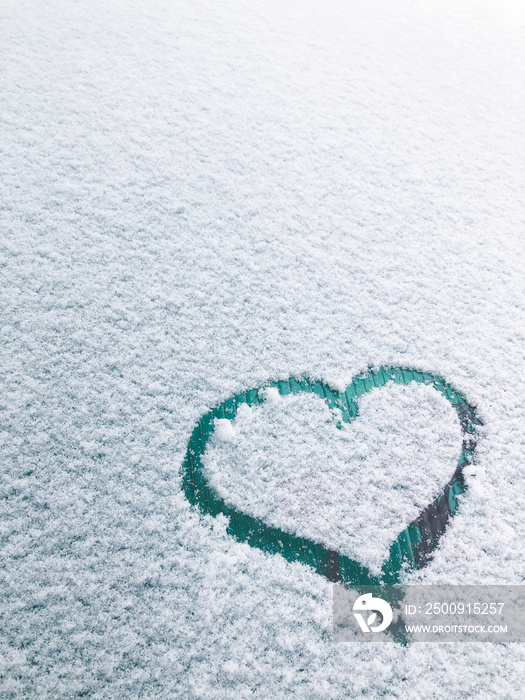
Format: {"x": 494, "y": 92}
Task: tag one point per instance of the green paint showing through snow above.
{"x": 414, "y": 545}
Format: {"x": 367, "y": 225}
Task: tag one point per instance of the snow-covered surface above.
{"x": 196, "y": 198}
{"x": 353, "y": 489}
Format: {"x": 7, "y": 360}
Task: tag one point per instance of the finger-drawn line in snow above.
{"x": 412, "y": 548}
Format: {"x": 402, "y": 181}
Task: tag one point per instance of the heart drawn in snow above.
{"x": 412, "y": 547}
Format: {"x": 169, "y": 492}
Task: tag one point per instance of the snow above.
{"x": 352, "y": 489}
{"x": 197, "y": 198}
{"x": 224, "y": 430}
{"x": 475, "y": 477}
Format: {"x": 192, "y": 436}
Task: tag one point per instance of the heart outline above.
{"x": 413, "y": 547}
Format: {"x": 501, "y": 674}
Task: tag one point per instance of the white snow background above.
{"x": 197, "y": 198}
